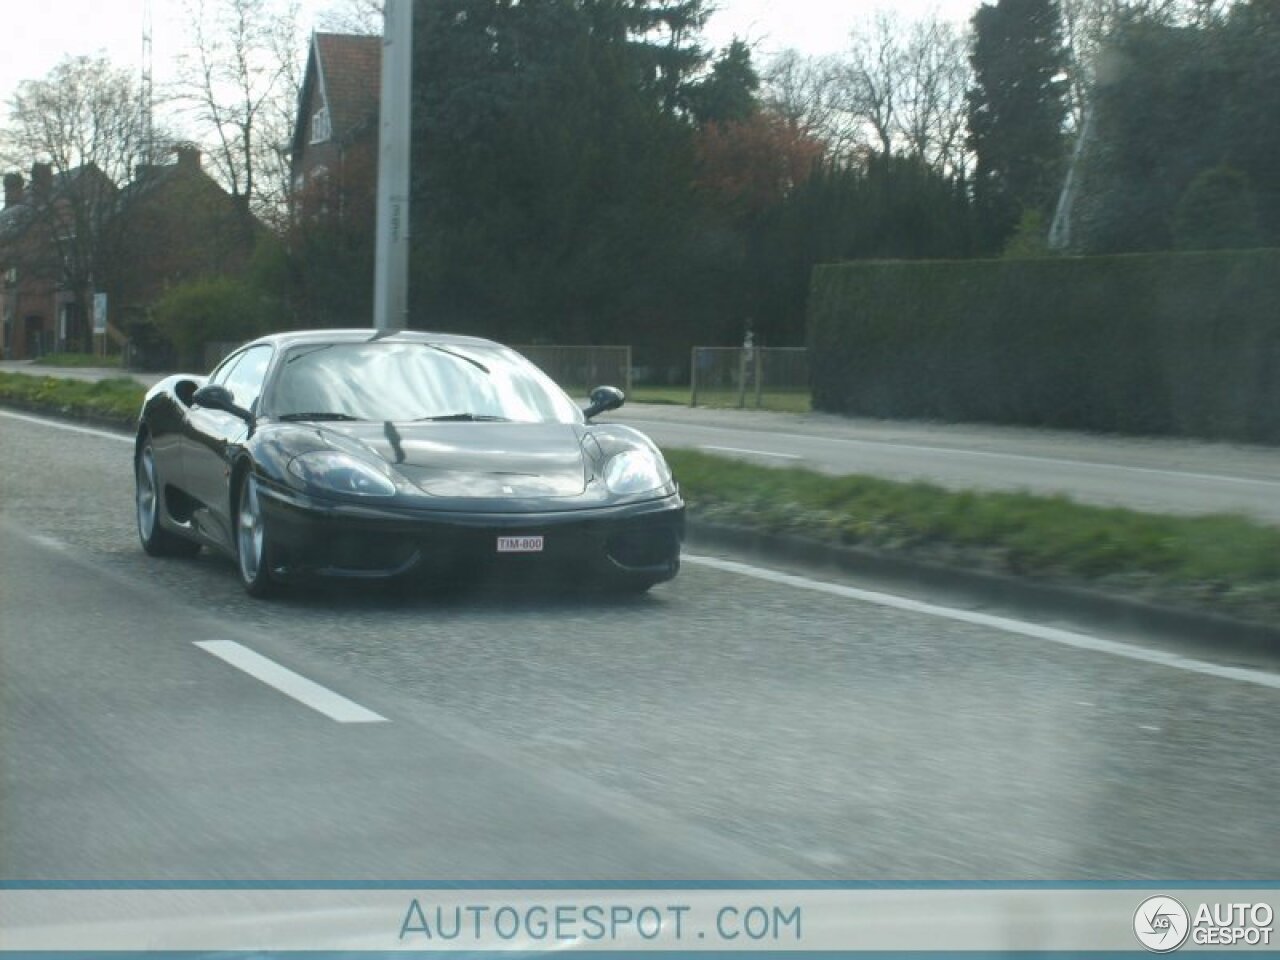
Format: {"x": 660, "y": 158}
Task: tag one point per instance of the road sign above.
{"x": 99, "y": 313}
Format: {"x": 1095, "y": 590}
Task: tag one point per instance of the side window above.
{"x": 223, "y": 370}
{"x": 245, "y": 380}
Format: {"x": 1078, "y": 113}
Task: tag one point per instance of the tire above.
{"x": 255, "y": 551}
{"x": 148, "y": 499}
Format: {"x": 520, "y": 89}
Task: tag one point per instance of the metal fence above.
{"x": 760, "y": 377}
{"x": 580, "y": 369}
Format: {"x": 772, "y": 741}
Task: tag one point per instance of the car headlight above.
{"x": 636, "y": 471}
{"x": 341, "y": 473}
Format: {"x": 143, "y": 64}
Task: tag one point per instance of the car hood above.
{"x": 476, "y": 460}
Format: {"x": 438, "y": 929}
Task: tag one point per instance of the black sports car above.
{"x": 355, "y": 453}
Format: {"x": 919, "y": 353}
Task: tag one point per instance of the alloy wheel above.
{"x": 250, "y": 531}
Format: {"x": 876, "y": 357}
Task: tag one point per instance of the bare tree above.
{"x": 83, "y": 126}
{"x": 240, "y": 82}
{"x": 936, "y": 76}
{"x": 900, "y": 87}
{"x": 803, "y": 91}
{"x": 354, "y": 16}
{"x": 871, "y": 77}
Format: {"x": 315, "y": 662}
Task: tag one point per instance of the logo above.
{"x": 1161, "y": 924}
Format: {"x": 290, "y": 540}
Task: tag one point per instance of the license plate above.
{"x": 520, "y": 544}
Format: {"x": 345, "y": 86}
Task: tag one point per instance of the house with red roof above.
{"x": 67, "y": 236}
{"x": 43, "y": 226}
{"x": 334, "y": 156}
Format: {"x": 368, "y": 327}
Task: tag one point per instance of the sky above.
{"x": 814, "y": 26}
{"x": 39, "y": 35}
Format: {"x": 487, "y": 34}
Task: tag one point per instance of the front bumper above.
{"x": 314, "y": 537}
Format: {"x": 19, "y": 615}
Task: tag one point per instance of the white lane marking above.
{"x": 41, "y": 421}
{"x": 754, "y": 453}
{"x": 1068, "y": 638}
{"x": 332, "y": 705}
{"x": 52, "y": 543}
{"x": 989, "y": 454}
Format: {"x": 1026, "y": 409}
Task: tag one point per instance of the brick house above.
{"x": 171, "y": 223}
{"x": 40, "y": 311}
{"x": 334, "y": 154}
{"x": 176, "y": 224}
{"x": 334, "y": 175}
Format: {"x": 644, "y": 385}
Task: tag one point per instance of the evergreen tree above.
{"x": 728, "y": 94}
{"x": 1017, "y": 109}
{"x": 893, "y": 208}
{"x": 552, "y": 163}
{"x": 1175, "y": 101}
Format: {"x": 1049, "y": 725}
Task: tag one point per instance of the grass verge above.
{"x": 118, "y": 398}
{"x": 77, "y": 360}
{"x": 1225, "y": 564}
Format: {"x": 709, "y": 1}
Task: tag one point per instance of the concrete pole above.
{"x": 391, "y": 266}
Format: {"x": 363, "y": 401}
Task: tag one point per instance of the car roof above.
{"x": 291, "y": 338}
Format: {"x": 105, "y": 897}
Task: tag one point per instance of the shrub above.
{"x": 205, "y": 310}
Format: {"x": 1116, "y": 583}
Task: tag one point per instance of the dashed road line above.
{"x": 318, "y": 698}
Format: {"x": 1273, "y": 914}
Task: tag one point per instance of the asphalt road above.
{"x": 734, "y": 724}
{"x": 1159, "y": 474}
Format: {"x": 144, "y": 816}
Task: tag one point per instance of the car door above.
{"x": 167, "y": 426}
{"x": 210, "y": 436}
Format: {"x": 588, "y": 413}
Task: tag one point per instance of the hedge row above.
{"x": 1150, "y": 344}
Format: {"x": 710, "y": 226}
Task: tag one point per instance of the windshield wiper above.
{"x": 303, "y": 352}
{"x": 459, "y": 356}
{"x": 477, "y": 417}
{"x": 319, "y": 415}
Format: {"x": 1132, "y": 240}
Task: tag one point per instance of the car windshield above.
{"x": 401, "y": 381}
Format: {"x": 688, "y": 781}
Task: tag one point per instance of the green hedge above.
{"x": 1182, "y": 343}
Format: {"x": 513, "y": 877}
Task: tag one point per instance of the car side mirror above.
{"x": 214, "y": 396}
{"x": 185, "y": 390}
{"x": 602, "y": 400}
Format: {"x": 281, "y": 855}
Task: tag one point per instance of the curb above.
{"x": 1193, "y": 629}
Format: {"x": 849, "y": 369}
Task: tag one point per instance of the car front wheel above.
{"x": 254, "y": 549}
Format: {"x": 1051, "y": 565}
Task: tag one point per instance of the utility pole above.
{"x": 146, "y": 105}
{"x": 391, "y": 266}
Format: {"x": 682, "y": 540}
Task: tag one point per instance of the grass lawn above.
{"x": 77, "y": 360}
{"x": 1227, "y": 563}
{"x": 118, "y": 397}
